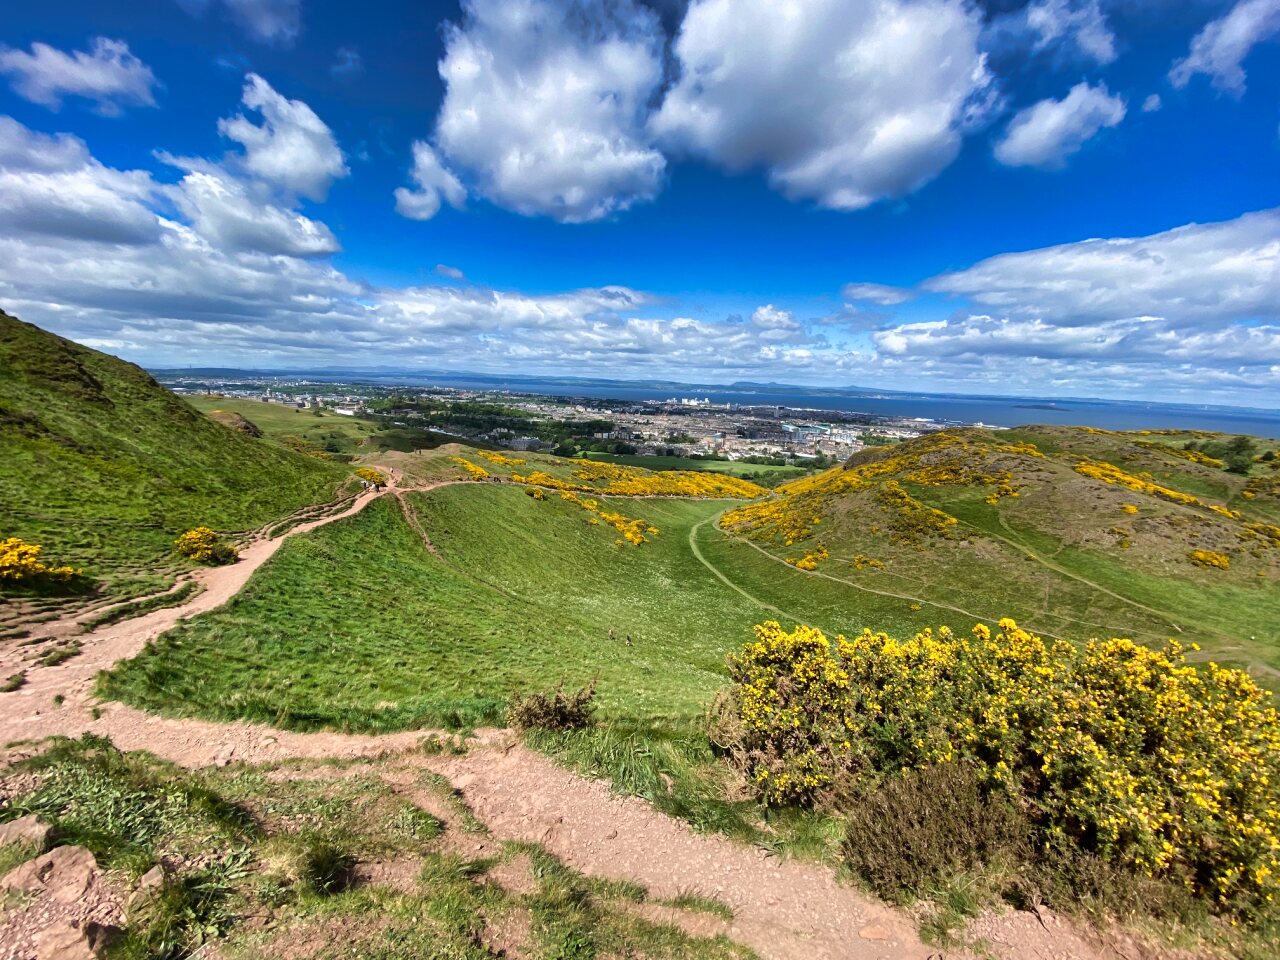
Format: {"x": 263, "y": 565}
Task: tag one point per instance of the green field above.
{"x": 320, "y": 429}
{"x": 766, "y": 474}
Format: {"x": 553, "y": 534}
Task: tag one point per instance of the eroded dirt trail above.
{"x": 784, "y": 910}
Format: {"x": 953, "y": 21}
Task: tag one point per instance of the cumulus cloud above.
{"x": 1072, "y": 23}
{"x": 216, "y": 269}
{"x": 432, "y": 182}
{"x": 879, "y": 293}
{"x": 225, "y": 212}
{"x": 1045, "y": 134}
{"x": 1198, "y": 274}
{"x": 291, "y": 148}
{"x": 1152, "y": 103}
{"x": 51, "y": 187}
{"x": 841, "y": 102}
{"x": 268, "y": 21}
{"x": 1219, "y": 50}
{"x": 108, "y": 75}
{"x": 544, "y": 111}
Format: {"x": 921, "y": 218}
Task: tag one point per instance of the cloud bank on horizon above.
{"x": 292, "y": 226}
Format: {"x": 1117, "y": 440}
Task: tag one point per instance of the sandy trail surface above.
{"x": 784, "y": 910}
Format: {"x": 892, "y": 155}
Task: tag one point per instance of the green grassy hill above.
{"x": 1074, "y": 532}
{"x": 103, "y": 467}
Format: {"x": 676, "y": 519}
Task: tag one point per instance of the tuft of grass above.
{"x": 14, "y": 682}
{"x": 60, "y": 654}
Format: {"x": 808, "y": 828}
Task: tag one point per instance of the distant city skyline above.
{"x": 1063, "y": 198}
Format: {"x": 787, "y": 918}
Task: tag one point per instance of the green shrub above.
{"x": 918, "y": 828}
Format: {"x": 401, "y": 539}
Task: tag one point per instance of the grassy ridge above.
{"x": 1063, "y": 552}
{"x": 103, "y": 467}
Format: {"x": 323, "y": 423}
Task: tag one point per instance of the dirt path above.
{"x": 782, "y": 909}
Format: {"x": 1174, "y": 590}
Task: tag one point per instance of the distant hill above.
{"x": 1077, "y": 532}
{"x": 103, "y": 467}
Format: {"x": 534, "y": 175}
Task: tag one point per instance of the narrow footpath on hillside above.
{"x": 784, "y": 910}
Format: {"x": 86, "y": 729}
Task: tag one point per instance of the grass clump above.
{"x": 60, "y": 654}
{"x": 14, "y": 682}
{"x": 554, "y": 709}
{"x": 1157, "y": 767}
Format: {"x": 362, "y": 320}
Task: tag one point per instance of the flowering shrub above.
{"x": 203, "y": 546}
{"x": 811, "y": 558}
{"x": 20, "y": 563}
{"x": 371, "y": 475}
{"x": 501, "y": 459}
{"x": 632, "y": 531}
{"x": 474, "y": 471}
{"x": 862, "y": 562}
{"x": 1210, "y": 558}
{"x": 1125, "y": 751}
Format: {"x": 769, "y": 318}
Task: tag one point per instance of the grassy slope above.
{"x": 103, "y": 467}
{"x": 524, "y": 596}
{"x": 1053, "y": 557}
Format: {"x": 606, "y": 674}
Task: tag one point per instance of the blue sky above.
{"x": 1066, "y": 197}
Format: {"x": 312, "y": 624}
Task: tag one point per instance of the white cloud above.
{"x": 1219, "y": 50}
{"x": 1082, "y": 25}
{"x": 224, "y": 212}
{"x": 842, "y": 102}
{"x": 292, "y": 148}
{"x": 268, "y": 21}
{"x": 879, "y": 293}
{"x": 433, "y": 181}
{"x": 1198, "y": 274}
{"x": 452, "y": 273}
{"x": 1045, "y": 134}
{"x": 544, "y": 111}
{"x": 109, "y": 75}
{"x": 1152, "y": 103}
{"x": 50, "y": 186}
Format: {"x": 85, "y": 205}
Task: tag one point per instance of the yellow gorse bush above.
{"x": 371, "y": 475}
{"x": 501, "y": 459}
{"x": 592, "y": 476}
{"x": 632, "y": 531}
{"x": 20, "y": 563}
{"x": 1155, "y": 764}
{"x": 1210, "y": 558}
{"x": 474, "y": 471}
{"x": 204, "y": 546}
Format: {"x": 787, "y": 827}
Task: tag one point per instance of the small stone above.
{"x": 873, "y": 931}
{"x": 153, "y": 879}
{"x": 29, "y": 830}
